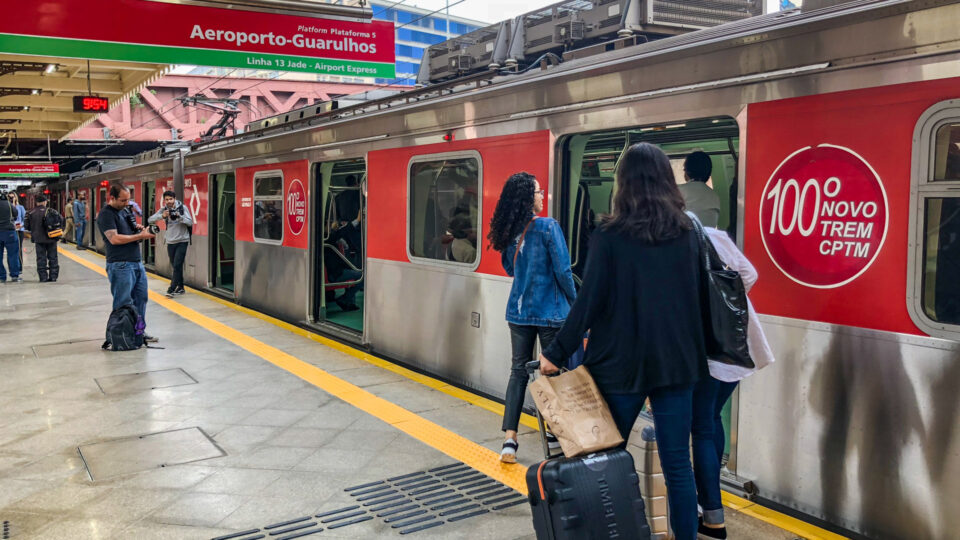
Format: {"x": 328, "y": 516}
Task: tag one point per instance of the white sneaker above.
{"x": 508, "y": 454}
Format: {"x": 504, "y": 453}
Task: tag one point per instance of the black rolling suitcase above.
{"x": 589, "y": 497}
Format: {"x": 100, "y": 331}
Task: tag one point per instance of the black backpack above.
{"x": 124, "y": 330}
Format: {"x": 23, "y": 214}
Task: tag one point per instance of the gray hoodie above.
{"x": 178, "y": 229}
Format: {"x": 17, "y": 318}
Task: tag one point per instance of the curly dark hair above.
{"x": 513, "y": 210}
{"x": 648, "y": 205}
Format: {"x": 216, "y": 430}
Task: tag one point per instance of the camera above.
{"x": 174, "y": 215}
{"x": 154, "y": 229}
{"x": 131, "y": 221}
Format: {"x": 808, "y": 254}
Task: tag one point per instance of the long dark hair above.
{"x": 648, "y": 206}
{"x": 513, "y": 210}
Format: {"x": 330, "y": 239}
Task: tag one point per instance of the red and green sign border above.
{"x": 158, "y": 54}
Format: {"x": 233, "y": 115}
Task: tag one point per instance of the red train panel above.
{"x": 828, "y": 203}
{"x": 296, "y": 202}
{"x": 196, "y": 199}
{"x": 387, "y": 204}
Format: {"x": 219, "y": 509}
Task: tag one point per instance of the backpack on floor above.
{"x": 124, "y": 330}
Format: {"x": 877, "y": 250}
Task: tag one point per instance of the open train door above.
{"x": 340, "y": 244}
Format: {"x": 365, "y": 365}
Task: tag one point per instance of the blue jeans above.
{"x": 10, "y": 242}
{"x": 81, "y": 227}
{"x": 672, "y": 412}
{"x": 709, "y": 441}
{"x": 128, "y": 285}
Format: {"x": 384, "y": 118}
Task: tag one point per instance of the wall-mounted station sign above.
{"x": 29, "y": 170}
{"x": 170, "y": 33}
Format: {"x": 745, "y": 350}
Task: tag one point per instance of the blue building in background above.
{"x": 417, "y": 29}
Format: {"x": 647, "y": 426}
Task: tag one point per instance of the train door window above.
{"x": 444, "y": 209}
{"x": 590, "y": 162}
{"x": 935, "y": 304}
{"x": 268, "y": 207}
{"x": 340, "y": 248}
{"x": 223, "y": 186}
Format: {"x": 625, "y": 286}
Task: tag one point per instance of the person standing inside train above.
{"x": 122, "y": 236}
{"x": 9, "y": 242}
{"x": 700, "y": 198}
{"x": 712, "y": 393}
{"x": 80, "y": 218}
{"x": 533, "y": 252}
{"x": 18, "y": 224}
{"x": 640, "y": 299}
{"x": 179, "y": 230}
{"x": 68, "y": 219}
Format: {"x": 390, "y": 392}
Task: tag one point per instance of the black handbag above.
{"x": 723, "y": 306}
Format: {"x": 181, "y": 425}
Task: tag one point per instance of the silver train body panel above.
{"x": 859, "y": 427}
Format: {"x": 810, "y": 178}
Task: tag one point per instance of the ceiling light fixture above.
{"x": 50, "y": 68}
{"x": 34, "y": 91}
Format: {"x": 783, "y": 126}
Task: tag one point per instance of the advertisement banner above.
{"x": 195, "y": 194}
{"x": 168, "y": 33}
{"x": 30, "y": 170}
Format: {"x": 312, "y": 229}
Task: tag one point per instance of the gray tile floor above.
{"x": 290, "y": 448}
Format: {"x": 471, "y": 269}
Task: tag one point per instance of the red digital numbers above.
{"x": 90, "y": 104}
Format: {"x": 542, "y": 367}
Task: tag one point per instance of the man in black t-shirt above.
{"x": 122, "y": 236}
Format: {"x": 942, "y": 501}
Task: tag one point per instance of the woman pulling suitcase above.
{"x": 533, "y": 252}
{"x": 640, "y": 299}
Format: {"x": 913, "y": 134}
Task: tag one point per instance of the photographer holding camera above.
{"x": 122, "y": 235}
{"x": 179, "y": 229}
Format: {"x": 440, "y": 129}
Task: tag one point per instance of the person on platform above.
{"x": 80, "y": 218}
{"x": 534, "y": 253}
{"x": 179, "y": 229}
{"x": 641, "y": 301}
{"x": 122, "y": 236}
{"x": 18, "y": 224}
{"x": 9, "y": 242}
{"x": 40, "y": 221}
{"x": 68, "y": 227}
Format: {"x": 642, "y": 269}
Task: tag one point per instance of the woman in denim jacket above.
{"x": 535, "y": 254}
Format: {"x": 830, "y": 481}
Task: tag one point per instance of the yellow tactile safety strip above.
{"x": 431, "y": 434}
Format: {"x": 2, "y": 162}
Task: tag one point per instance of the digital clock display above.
{"x": 90, "y": 104}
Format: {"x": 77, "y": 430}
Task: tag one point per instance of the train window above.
{"x": 268, "y": 207}
{"x": 947, "y": 153}
{"x": 934, "y": 303}
{"x": 444, "y": 208}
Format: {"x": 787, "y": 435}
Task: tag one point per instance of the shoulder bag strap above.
{"x": 520, "y": 243}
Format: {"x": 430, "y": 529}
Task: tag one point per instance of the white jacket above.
{"x": 756, "y": 341}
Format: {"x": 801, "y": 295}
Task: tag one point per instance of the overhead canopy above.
{"x": 36, "y": 100}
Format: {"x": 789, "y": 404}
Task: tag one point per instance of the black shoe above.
{"x": 150, "y": 339}
{"x": 709, "y": 532}
{"x": 169, "y": 292}
{"x": 347, "y": 307}
{"x": 44, "y": 280}
{"x": 180, "y": 291}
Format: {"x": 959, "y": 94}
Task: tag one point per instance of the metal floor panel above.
{"x": 145, "y": 452}
{"x": 69, "y": 348}
{"x": 147, "y": 380}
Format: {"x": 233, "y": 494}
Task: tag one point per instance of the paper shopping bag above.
{"x": 576, "y": 412}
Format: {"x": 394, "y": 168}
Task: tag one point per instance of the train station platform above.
{"x": 241, "y": 426}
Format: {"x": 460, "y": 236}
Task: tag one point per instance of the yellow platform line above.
{"x": 457, "y": 447}
{"x": 431, "y": 434}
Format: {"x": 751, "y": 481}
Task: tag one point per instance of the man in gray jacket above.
{"x": 179, "y": 230}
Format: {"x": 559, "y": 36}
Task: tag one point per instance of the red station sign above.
{"x": 823, "y": 216}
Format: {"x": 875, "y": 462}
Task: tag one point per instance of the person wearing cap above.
{"x": 39, "y": 222}
{"x": 9, "y": 241}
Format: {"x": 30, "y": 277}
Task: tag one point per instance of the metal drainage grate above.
{"x": 6, "y": 530}
{"x": 410, "y": 503}
{"x": 144, "y": 452}
{"x": 147, "y": 380}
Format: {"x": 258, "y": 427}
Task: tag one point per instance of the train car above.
{"x": 835, "y": 140}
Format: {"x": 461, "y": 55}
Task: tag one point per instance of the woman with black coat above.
{"x": 640, "y": 300}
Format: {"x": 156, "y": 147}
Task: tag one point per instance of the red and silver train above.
{"x": 835, "y": 139}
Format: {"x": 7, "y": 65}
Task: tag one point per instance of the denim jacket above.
{"x": 542, "y": 291}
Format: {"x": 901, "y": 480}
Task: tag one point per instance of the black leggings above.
{"x": 522, "y": 340}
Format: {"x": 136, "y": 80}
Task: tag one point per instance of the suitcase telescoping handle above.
{"x": 532, "y": 368}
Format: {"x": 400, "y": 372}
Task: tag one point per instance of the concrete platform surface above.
{"x": 203, "y": 438}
